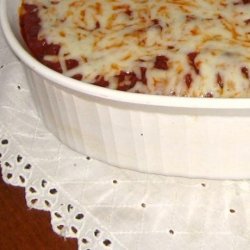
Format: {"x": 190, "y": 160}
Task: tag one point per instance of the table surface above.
{"x": 24, "y": 228}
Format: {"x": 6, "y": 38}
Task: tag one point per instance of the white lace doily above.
{"x": 105, "y": 207}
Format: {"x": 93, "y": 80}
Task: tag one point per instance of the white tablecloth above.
{"x": 105, "y": 207}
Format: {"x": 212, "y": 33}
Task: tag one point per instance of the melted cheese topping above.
{"x": 167, "y": 47}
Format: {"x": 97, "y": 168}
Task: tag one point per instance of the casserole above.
{"x": 178, "y": 136}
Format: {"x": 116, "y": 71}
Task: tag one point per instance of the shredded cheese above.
{"x": 198, "y": 48}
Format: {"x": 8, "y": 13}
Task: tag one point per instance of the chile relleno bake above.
{"x": 173, "y": 135}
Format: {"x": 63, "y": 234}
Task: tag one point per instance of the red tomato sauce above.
{"x": 30, "y": 27}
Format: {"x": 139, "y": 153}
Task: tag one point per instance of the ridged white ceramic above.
{"x": 177, "y": 136}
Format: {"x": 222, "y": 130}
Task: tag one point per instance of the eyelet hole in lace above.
{"x": 9, "y": 176}
{"x": 27, "y": 166}
{"x": 32, "y": 190}
{"x": 19, "y": 158}
{"x": 79, "y": 216}
{"x": 43, "y": 183}
{"x": 4, "y": 142}
{"x": 97, "y": 233}
{"x": 74, "y": 230}
{"x": 107, "y": 242}
{"x": 53, "y": 191}
{"x": 22, "y": 179}
{"x": 57, "y": 215}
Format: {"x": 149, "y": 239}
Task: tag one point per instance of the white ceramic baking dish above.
{"x": 177, "y": 136}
